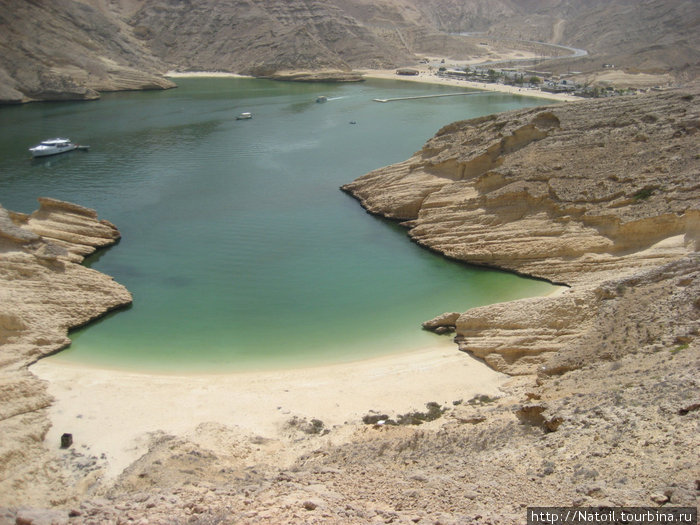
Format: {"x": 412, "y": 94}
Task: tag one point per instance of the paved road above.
{"x": 575, "y": 52}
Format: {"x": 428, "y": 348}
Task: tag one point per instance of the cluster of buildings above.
{"x": 532, "y": 79}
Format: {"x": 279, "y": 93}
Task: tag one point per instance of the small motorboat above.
{"x": 54, "y": 147}
{"x": 321, "y": 99}
{"x": 244, "y": 116}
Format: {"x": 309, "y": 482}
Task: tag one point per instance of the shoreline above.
{"x": 429, "y": 78}
{"x": 424, "y": 77}
{"x": 203, "y": 74}
{"x": 113, "y": 414}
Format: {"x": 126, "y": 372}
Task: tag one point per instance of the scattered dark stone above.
{"x": 418, "y": 418}
{"x": 551, "y": 425}
{"x": 373, "y": 419}
{"x": 531, "y": 414}
{"x": 315, "y": 426}
{"x": 309, "y": 505}
{"x": 690, "y": 408}
{"x": 472, "y": 420}
{"x": 66, "y": 440}
{"x": 410, "y": 418}
{"x": 547, "y": 471}
{"x": 481, "y": 399}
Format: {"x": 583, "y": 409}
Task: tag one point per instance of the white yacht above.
{"x": 244, "y": 116}
{"x": 52, "y": 147}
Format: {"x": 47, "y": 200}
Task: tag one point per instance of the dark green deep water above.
{"x": 239, "y": 248}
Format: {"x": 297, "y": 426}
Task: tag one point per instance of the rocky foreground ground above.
{"x": 603, "y": 404}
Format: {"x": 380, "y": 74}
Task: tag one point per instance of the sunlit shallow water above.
{"x": 239, "y": 248}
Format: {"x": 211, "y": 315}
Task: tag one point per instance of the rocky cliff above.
{"x": 590, "y": 194}
{"x": 44, "y": 292}
{"x": 69, "y": 50}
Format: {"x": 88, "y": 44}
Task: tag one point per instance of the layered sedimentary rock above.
{"x": 70, "y": 51}
{"x": 586, "y": 194}
{"x": 44, "y": 291}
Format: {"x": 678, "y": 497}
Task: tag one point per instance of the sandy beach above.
{"x": 424, "y": 77}
{"x": 113, "y": 412}
{"x": 431, "y": 78}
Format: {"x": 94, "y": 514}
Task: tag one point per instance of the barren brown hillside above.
{"x": 69, "y": 50}
{"x": 72, "y": 49}
{"x": 648, "y": 35}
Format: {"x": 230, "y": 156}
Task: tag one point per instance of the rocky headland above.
{"x": 44, "y": 292}
{"x": 587, "y": 194}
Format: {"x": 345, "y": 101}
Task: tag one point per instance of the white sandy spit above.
{"x": 112, "y": 412}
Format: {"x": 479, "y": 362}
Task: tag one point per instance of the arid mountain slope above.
{"x": 259, "y": 37}
{"x": 75, "y": 48}
{"x": 68, "y": 50}
{"x": 72, "y": 49}
{"x": 648, "y": 35}
{"x": 264, "y": 37}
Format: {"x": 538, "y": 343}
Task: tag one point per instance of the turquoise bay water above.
{"x": 239, "y": 248}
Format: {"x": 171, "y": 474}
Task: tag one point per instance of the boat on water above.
{"x": 244, "y": 116}
{"x": 54, "y": 147}
{"x": 321, "y": 99}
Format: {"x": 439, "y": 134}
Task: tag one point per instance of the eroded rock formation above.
{"x": 44, "y": 291}
{"x": 70, "y": 51}
{"x": 586, "y": 194}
